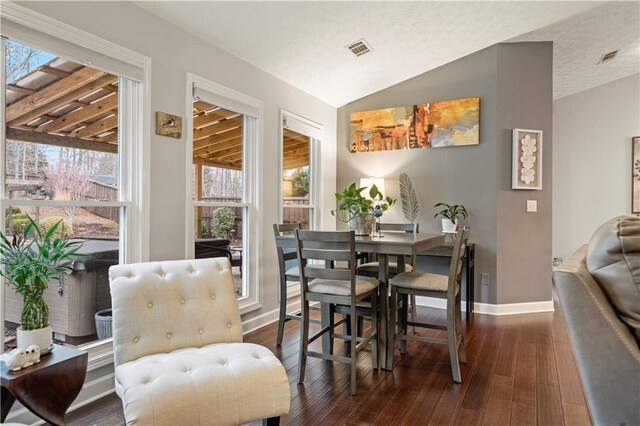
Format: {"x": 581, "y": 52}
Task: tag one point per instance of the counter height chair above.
{"x": 334, "y": 287}
{"x": 288, "y": 276}
{"x": 433, "y": 285}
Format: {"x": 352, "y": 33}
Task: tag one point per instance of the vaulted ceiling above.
{"x": 303, "y": 43}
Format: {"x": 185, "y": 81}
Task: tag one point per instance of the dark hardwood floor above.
{"x": 521, "y": 371}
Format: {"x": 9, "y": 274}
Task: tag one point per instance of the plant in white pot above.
{"x": 357, "y": 210}
{"x": 29, "y": 261}
{"x": 450, "y": 213}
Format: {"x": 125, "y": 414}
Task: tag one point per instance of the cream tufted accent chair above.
{"x": 179, "y": 356}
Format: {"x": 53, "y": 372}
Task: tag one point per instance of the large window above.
{"x": 67, "y": 156}
{"x": 299, "y": 171}
{"x": 223, "y": 196}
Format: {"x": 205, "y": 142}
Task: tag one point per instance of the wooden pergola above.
{"x": 64, "y": 104}
{"x": 217, "y": 139}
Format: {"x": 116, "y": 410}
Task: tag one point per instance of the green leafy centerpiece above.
{"x": 356, "y": 210}
{"x": 30, "y": 261}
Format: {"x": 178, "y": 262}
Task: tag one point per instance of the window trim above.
{"x": 252, "y": 165}
{"x": 314, "y": 162}
{"x": 139, "y": 219}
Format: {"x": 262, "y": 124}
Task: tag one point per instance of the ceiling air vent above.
{"x": 608, "y": 57}
{"x": 359, "y": 48}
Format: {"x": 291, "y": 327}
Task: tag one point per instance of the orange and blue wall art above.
{"x": 434, "y": 124}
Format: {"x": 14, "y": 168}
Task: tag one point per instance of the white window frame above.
{"x": 251, "y": 165}
{"x": 135, "y": 167}
{"x": 315, "y": 133}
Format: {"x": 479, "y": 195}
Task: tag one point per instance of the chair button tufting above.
{"x": 201, "y": 331}
{"x": 228, "y": 325}
{"x": 136, "y": 339}
{"x": 163, "y": 275}
{"x": 168, "y": 335}
{"x": 213, "y": 296}
{"x": 149, "y": 305}
{"x": 182, "y": 301}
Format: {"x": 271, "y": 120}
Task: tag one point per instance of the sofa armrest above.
{"x": 607, "y": 354}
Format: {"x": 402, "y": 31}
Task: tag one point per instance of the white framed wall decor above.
{"x": 527, "y": 159}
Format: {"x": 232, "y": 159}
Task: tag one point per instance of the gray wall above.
{"x": 593, "y": 131}
{"x": 476, "y": 176}
{"x": 525, "y": 98}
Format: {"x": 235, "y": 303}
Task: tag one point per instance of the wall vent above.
{"x": 608, "y": 57}
{"x": 359, "y": 47}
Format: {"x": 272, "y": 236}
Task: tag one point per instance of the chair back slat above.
{"x": 324, "y": 254}
{"x": 327, "y": 236}
{"x": 312, "y": 272}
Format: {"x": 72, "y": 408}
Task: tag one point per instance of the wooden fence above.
{"x": 97, "y": 191}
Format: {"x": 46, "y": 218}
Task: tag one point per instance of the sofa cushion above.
{"x": 221, "y": 384}
{"x": 613, "y": 258}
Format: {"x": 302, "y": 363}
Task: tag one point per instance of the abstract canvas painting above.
{"x": 635, "y": 181}
{"x": 527, "y": 159}
{"x": 435, "y": 124}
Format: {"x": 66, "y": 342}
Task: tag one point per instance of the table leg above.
{"x": 7, "y": 402}
{"x": 470, "y": 277}
{"x": 324, "y": 322}
{"x": 383, "y": 302}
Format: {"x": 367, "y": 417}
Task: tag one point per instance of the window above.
{"x": 72, "y": 133}
{"x": 299, "y": 171}
{"x": 223, "y": 153}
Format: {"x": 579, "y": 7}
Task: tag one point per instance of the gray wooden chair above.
{"x": 370, "y": 269}
{"x": 439, "y": 286}
{"x": 288, "y": 275}
{"x": 335, "y": 287}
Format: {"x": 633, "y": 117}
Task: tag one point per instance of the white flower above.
{"x": 528, "y": 159}
{"x": 527, "y": 175}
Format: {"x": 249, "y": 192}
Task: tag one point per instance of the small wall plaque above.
{"x": 168, "y": 125}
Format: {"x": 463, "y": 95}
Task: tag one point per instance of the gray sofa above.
{"x": 599, "y": 290}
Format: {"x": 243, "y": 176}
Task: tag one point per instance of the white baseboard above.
{"x": 491, "y": 309}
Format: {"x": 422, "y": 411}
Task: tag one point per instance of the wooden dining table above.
{"x": 398, "y": 244}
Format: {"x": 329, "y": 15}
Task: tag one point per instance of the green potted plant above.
{"x": 450, "y": 213}
{"x": 356, "y": 210}
{"x": 30, "y": 261}
{"x": 222, "y": 221}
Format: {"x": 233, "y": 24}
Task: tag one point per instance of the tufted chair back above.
{"x": 159, "y": 307}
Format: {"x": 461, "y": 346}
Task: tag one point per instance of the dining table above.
{"x": 396, "y": 244}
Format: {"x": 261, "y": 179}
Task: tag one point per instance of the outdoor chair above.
{"x": 438, "y": 286}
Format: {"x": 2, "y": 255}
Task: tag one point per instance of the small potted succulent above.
{"x": 30, "y": 261}
{"x": 450, "y": 213}
{"x": 357, "y": 210}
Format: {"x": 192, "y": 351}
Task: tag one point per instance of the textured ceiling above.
{"x": 580, "y": 42}
{"x": 303, "y": 43}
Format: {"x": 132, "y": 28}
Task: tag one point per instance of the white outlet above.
{"x": 484, "y": 277}
{"x": 532, "y": 206}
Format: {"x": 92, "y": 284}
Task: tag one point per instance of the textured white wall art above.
{"x": 527, "y": 159}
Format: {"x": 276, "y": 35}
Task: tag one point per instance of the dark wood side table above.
{"x": 48, "y": 388}
{"x": 446, "y": 250}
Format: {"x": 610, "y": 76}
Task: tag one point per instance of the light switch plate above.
{"x": 532, "y": 206}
